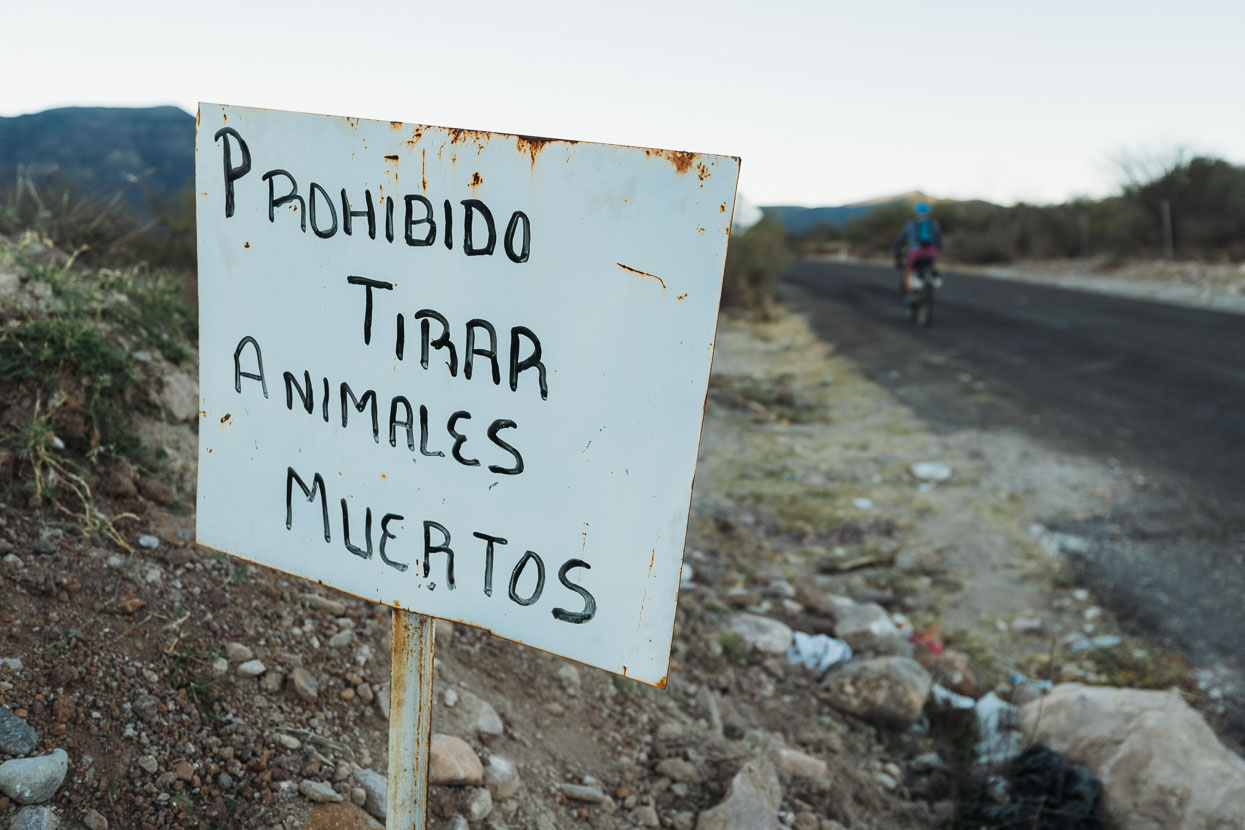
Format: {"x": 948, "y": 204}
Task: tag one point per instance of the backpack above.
{"x": 924, "y": 232}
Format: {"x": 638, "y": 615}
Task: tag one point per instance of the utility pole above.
{"x": 1165, "y": 214}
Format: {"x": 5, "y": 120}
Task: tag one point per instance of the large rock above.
{"x": 1161, "y": 766}
{"x": 751, "y": 803}
{"x": 16, "y": 736}
{"x": 762, "y": 633}
{"x": 868, "y": 628}
{"x": 339, "y": 816}
{"x": 453, "y": 762}
{"x": 33, "y": 780}
{"x": 887, "y": 691}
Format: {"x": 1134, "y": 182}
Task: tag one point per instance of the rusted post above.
{"x": 410, "y": 720}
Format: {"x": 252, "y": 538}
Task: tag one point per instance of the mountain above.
{"x": 98, "y": 150}
{"x": 799, "y": 219}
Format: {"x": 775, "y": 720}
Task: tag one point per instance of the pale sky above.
{"x": 825, "y": 102}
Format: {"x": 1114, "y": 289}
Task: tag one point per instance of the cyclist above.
{"x": 921, "y": 238}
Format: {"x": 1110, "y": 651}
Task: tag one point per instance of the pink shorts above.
{"x": 923, "y": 252}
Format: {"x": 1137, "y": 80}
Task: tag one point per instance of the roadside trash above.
{"x": 944, "y": 698}
{"x": 1043, "y": 792}
{"x": 998, "y": 731}
{"x": 927, "y": 639}
{"x": 817, "y": 651}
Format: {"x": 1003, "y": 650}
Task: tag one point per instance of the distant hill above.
{"x": 99, "y": 150}
{"x": 799, "y": 219}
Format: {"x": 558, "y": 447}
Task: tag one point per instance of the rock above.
{"x": 44, "y": 547}
{"x": 334, "y": 607}
{"x": 502, "y": 777}
{"x": 252, "y": 668}
{"x": 568, "y": 676}
{"x": 36, "y": 818}
{"x": 800, "y": 766}
{"x": 452, "y": 761}
{"x": 579, "y": 792}
{"x": 148, "y": 541}
{"x": 762, "y": 633}
{"x": 1026, "y": 625}
{"x": 677, "y": 769}
{"x": 751, "y": 802}
{"x": 11, "y": 664}
{"x": 868, "y": 628}
{"x": 931, "y": 471}
{"x": 179, "y": 393}
{"x": 184, "y": 770}
{"x": 340, "y": 815}
{"x": 304, "y": 684}
{"x": 94, "y": 820}
{"x": 13, "y": 561}
{"x": 376, "y": 789}
{"x": 238, "y": 653}
{"x": 484, "y": 718}
{"x": 287, "y": 741}
{"x": 148, "y": 763}
{"x": 341, "y": 639}
{"x": 886, "y": 691}
{"x": 318, "y": 791}
{"x": 34, "y": 780}
{"x": 479, "y": 804}
{"x": 155, "y": 490}
{"x": 646, "y": 816}
{"x": 1160, "y": 764}
{"x": 456, "y": 822}
{"x": 271, "y": 681}
{"x": 16, "y": 736}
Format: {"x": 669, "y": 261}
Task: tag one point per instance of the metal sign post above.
{"x": 410, "y": 720}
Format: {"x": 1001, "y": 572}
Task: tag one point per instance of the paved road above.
{"x": 1161, "y": 388}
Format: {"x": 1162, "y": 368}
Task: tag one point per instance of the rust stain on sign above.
{"x": 225, "y": 418}
{"x": 702, "y": 171}
{"x": 476, "y": 181}
{"x": 393, "y": 157}
{"x": 682, "y": 161}
{"x": 642, "y": 273}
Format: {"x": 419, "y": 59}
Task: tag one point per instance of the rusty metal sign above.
{"x": 456, "y": 372}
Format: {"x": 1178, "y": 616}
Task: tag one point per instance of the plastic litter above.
{"x": 1101, "y": 641}
{"x": 817, "y": 651}
{"x": 1042, "y": 792}
{"x": 998, "y": 731}
{"x": 944, "y": 698}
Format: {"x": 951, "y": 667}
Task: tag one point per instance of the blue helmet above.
{"x": 921, "y": 207}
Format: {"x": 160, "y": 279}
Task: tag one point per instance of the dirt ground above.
{"x": 130, "y": 660}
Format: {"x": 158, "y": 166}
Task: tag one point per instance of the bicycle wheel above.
{"x": 925, "y": 310}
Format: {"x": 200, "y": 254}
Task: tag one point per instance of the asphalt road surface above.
{"x": 1159, "y": 388}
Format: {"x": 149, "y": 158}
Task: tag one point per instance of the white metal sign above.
{"x": 459, "y": 373}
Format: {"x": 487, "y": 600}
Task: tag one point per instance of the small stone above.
{"x": 16, "y": 736}
{"x": 184, "y": 770}
{"x": 334, "y": 607}
{"x": 646, "y": 816}
{"x": 34, "y": 780}
{"x": 376, "y": 787}
{"x": 453, "y": 762}
{"x": 451, "y": 698}
{"x": 94, "y": 820}
{"x": 45, "y": 547}
{"x": 365, "y": 692}
{"x": 1026, "y": 625}
{"x": 287, "y": 741}
{"x": 304, "y": 684}
{"x": 130, "y": 606}
{"x": 762, "y": 633}
{"x": 677, "y": 769}
{"x": 11, "y": 664}
{"x": 934, "y": 471}
{"x": 752, "y": 801}
{"x": 800, "y": 766}
{"x": 36, "y": 818}
{"x": 456, "y": 822}
{"x": 220, "y": 667}
{"x": 479, "y": 804}
{"x": 568, "y": 676}
{"x": 341, "y": 639}
{"x": 148, "y": 541}
{"x": 252, "y": 668}
{"x": 578, "y": 792}
{"x": 358, "y": 796}
{"x": 271, "y": 682}
{"x": 502, "y": 777}
{"x": 318, "y": 791}
{"x": 13, "y": 561}
{"x": 238, "y": 653}
{"x": 149, "y": 763}
{"x": 887, "y": 782}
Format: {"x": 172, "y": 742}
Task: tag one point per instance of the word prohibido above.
{"x": 418, "y": 221}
